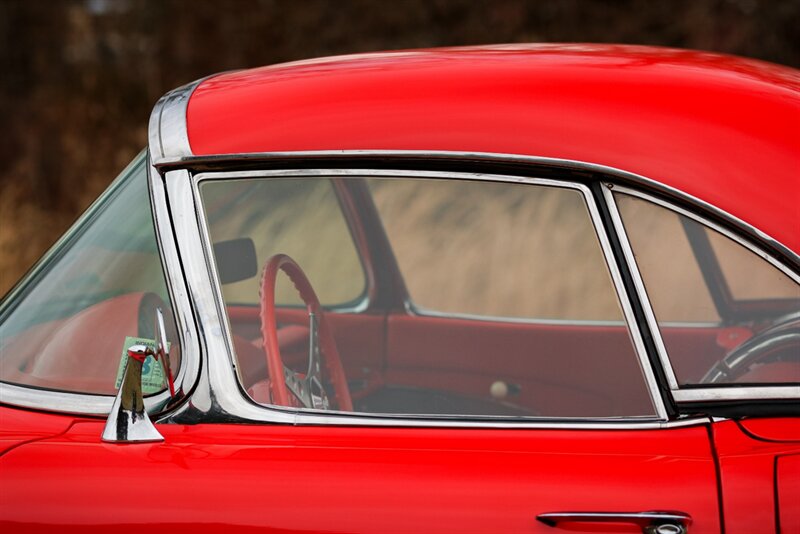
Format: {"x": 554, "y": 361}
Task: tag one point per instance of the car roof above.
{"x": 720, "y": 128}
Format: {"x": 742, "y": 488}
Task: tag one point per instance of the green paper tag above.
{"x": 153, "y": 377}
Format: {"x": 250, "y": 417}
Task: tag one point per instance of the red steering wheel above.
{"x": 307, "y": 389}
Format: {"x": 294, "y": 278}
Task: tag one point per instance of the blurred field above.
{"x": 80, "y": 76}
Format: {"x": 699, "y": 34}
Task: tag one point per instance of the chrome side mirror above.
{"x": 128, "y": 420}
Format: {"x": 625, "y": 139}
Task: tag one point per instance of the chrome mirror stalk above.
{"x": 128, "y": 421}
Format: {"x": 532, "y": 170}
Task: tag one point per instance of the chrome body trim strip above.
{"x": 719, "y": 393}
{"x": 190, "y": 162}
{"x": 696, "y": 393}
{"x": 398, "y": 421}
{"x": 56, "y": 401}
{"x": 221, "y": 396}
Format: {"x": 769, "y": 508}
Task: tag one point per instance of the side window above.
{"x": 66, "y": 326}
{"x": 726, "y": 315}
{"x": 513, "y": 309}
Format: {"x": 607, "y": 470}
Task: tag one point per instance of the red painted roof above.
{"x": 724, "y": 129}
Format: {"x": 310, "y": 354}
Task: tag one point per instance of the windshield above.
{"x": 65, "y": 325}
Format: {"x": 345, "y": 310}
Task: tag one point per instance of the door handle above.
{"x": 654, "y": 522}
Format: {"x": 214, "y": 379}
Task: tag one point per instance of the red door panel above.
{"x": 748, "y": 478}
{"x": 360, "y": 480}
{"x": 562, "y": 370}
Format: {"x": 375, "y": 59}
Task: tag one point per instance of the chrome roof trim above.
{"x": 219, "y": 396}
{"x": 167, "y": 135}
{"x": 190, "y": 161}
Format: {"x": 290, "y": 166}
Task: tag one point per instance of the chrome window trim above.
{"x": 57, "y": 401}
{"x": 776, "y": 392}
{"x": 542, "y": 423}
{"x": 693, "y": 392}
{"x": 638, "y": 283}
{"x": 222, "y": 396}
{"x": 412, "y": 309}
{"x": 191, "y": 356}
{"x": 705, "y": 222}
{"x": 218, "y": 396}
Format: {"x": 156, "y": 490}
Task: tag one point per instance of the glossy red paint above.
{"x": 22, "y": 426}
{"x": 773, "y": 429}
{"x": 717, "y": 127}
{"x": 748, "y": 478}
{"x": 357, "y": 480}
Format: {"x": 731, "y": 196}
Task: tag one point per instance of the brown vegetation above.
{"x": 80, "y": 76}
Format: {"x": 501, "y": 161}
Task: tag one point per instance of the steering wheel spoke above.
{"x": 307, "y": 389}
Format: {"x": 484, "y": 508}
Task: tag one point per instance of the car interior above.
{"x": 408, "y": 326}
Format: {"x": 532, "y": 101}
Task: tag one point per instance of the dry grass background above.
{"x": 494, "y": 249}
{"x": 80, "y": 76}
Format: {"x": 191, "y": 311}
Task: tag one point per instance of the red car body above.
{"x": 715, "y": 133}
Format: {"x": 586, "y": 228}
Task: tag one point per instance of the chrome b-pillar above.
{"x": 128, "y": 420}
